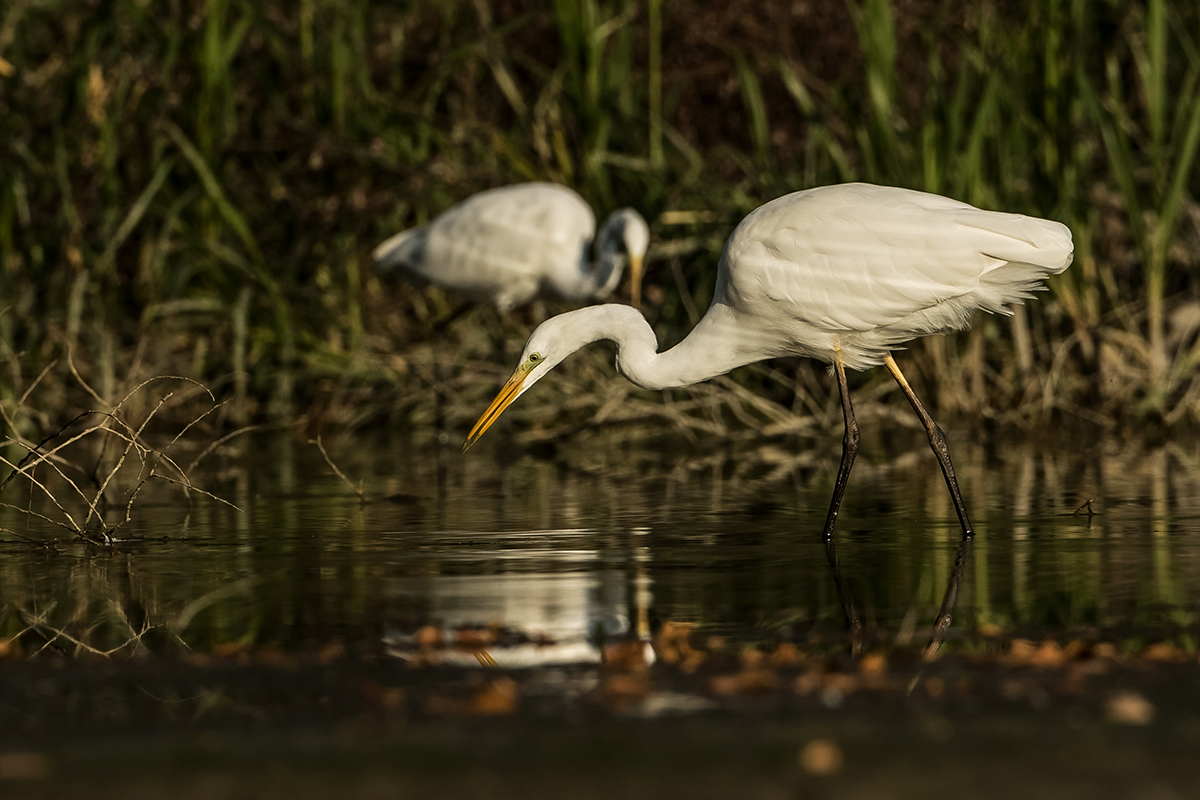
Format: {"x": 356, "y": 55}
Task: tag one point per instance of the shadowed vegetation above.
{"x": 194, "y": 188}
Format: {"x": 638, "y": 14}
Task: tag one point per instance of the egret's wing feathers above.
{"x": 866, "y": 258}
{"x": 505, "y": 242}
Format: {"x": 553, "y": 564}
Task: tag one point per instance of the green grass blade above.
{"x": 795, "y": 86}
{"x": 1119, "y": 158}
{"x": 1154, "y": 79}
{"x": 1173, "y": 204}
{"x": 654, "y": 84}
{"x": 756, "y": 107}
{"x": 212, "y": 187}
{"x": 136, "y": 212}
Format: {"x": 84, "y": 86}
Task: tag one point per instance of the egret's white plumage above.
{"x": 509, "y": 244}
{"x": 841, "y": 273}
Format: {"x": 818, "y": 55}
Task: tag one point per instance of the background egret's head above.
{"x": 636, "y": 236}
{"x": 627, "y": 231}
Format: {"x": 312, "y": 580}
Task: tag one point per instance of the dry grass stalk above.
{"x": 91, "y": 487}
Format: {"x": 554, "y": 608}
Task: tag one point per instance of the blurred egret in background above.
{"x": 844, "y": 274}
{"x": 507, "y": 245}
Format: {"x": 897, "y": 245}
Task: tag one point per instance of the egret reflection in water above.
{"x": 537, "y": 606}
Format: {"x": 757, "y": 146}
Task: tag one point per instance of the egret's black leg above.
{"x": 937, "y": 440}
{"x": 944, "y": 617}
{"x": 849, "y": 448}
{"x": 853, "y": 623}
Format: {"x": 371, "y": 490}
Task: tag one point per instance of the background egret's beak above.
{"x": 635, "y": 281}
{"x": 510, "y": 392}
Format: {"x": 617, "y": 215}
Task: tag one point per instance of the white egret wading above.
{"x": 844, "y": 274}
{"x": 507, "y": 245}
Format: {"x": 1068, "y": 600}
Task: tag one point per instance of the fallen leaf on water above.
{"x": 1087, "y": 667}
{"x": 387, "y": 697}
{"x": 1012, "y": 689}
{"x": 492, "y": 698}
{"x": 724, "y": 684}
{"x": 474, "y": 638}
{"x": 748, "y": 681}
{"x": 821, "y": 757}
{"x": 1075, "y": 648}
{"x": 839, "y": 682}
{"x": 1129, "y": 708}
{"x": 672, "y": 642}
{"x": 228, "y": 649}
{"x": 786, "y": 655}
{"x": 873, "y": 672}
{"x": 629, "y": 655}
{"x": 807, "y": 682}
{"x": 873, "y": 664}
{"x": 1164, "y": 651}
{"x": 621, "y": 688}
{"x": 1048, "y": 655}
{"x": 1020, "y": 651}
{"x": 752, "y": 658}
{"x": 24, "y": 766}
{"x": 269, "y": 657}
{"x": 331, "y": 652}
{"x": 691, "y": 662}
{"x": 1024, "y": 652}
{"x": 427, "y": 636}
{"x": 496, "y": 697}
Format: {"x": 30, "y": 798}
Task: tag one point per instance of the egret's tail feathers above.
{"x": 1039, "y": 244}
{"x": 401, "y": 249}
{"x": 1025, "y": 251}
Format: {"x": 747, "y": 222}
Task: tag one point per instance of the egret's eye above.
{"x": 535, "y": 358}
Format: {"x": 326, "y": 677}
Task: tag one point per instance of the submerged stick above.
{"x": 356, "y": 489}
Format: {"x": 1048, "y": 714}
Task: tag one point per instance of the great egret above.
{"x": 509, "y": 244}
{"x": 841, "y": 273}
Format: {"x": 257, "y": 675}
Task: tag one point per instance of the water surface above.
{"x": 653, "y": 621}
{"x": 589, "y": 543}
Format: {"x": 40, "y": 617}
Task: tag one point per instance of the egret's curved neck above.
{"x": 610, "y": 263}
{"x": 713, "y": 348}
{"x": 602, "y": 280}
{"x": 592, "y": 283}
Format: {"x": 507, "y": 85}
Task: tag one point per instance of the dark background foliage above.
{"x": 194, "y": 188}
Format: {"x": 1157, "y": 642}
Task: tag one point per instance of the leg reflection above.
{"x": 853, "y": 623}
{"x": 945, "y": 615}
{"x": 942, "y": 624}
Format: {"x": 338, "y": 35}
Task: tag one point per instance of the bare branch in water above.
{"x": 358, "y": 490}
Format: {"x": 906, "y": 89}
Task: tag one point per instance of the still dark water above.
{"x": 585, "y": 541}
{"x": 558, "y": 555}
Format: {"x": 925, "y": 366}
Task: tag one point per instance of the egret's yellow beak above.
{"x": 635, "y": 281}
{"x": 502, "y": 401}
